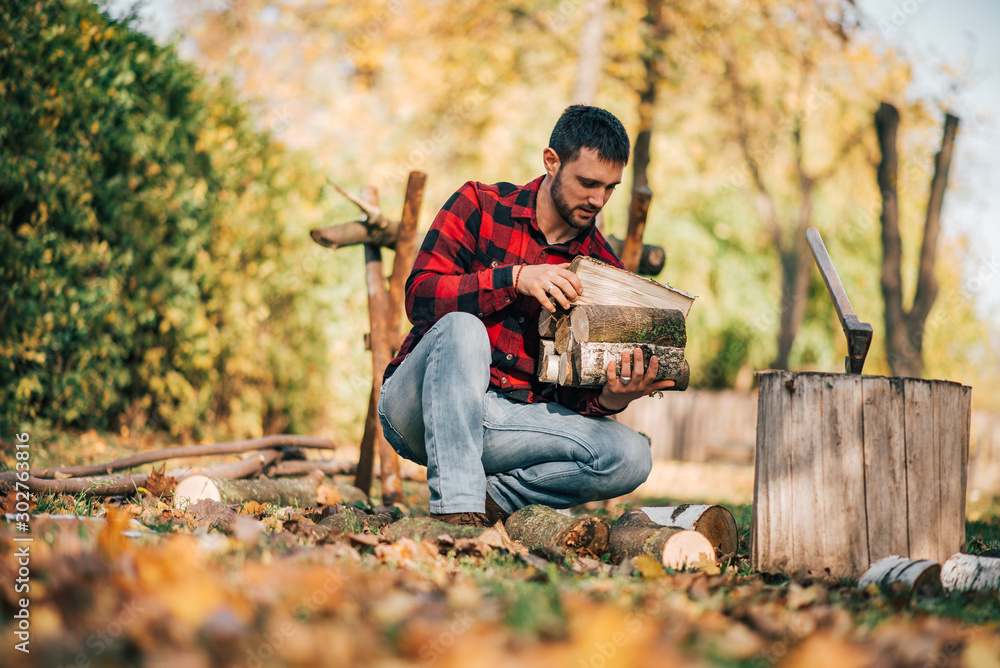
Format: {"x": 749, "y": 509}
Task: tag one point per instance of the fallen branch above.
{"x": 295, "y": 467}
{"x": 129, "y": 483}
{"x": 186, "y": 451}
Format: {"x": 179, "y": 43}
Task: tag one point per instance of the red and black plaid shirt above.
{"x": 467, "y": 263}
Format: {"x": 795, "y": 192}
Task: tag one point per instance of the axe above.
{"x": 859, "y": 334}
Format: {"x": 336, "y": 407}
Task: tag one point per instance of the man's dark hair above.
{"x": 582, "y": 126}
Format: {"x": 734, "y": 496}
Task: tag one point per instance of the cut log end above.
{"x": 687, "y": 549}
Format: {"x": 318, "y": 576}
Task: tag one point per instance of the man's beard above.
{"x": 563, "y": 208}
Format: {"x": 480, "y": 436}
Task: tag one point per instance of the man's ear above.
{"x": 551, "y": 161}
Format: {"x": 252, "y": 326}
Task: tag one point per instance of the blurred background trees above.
{"x": 756, "y": 118}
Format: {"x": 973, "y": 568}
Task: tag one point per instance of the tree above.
{"x": 905, "y": 328}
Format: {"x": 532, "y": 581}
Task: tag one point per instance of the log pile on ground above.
{"x": 549, "y": 532}
{"x": 714, "y": 522}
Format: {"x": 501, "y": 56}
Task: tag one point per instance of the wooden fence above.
{"x": 706, "y": 425}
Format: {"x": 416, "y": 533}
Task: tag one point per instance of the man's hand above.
{"x": 620, "y": 391}
{"x": 542, "y": 280}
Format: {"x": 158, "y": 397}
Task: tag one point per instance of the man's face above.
{"x": 582, "y": 187}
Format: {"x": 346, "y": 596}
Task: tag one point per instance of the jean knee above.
{"x": 465, "y": 337}
{"x": 632, "y": 463}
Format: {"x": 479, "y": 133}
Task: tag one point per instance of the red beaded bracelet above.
{"x": 518, "y": 277}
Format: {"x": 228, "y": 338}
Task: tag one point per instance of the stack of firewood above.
{"x": 578, "y": 344}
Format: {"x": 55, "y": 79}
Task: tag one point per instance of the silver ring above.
{"x": 549, "y": 289}
{"x": 625, "y": 379}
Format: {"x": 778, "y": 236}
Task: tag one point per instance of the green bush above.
{"x": 155, "y": 257}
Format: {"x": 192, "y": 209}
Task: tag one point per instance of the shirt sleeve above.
{"x": 446, "y": 275}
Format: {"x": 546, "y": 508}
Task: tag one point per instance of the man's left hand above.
{"x": 633, "y": 383}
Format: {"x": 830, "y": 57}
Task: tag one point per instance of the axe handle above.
{"x": 859, "y": 334}
{"x": 830, "y": 277}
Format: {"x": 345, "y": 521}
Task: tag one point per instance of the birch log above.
{"x": 967, "y": 572}
{"x": 585, "y": 364}
{"x": 904, "y": 576}
{"x": 635, "y": 534}
{"x": 548, "y": 362}
{"x": 716, "y": 523}
{"x": 282, "y": 492}
{"x": 541, "y": 528}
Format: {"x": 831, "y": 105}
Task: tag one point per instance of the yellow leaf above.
{"x": 649, "y": 567}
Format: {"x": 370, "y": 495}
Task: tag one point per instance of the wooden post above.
{"x": 851, "y": 469}
{"x": 406, "y": 247}
{"x": 637, "y": 211}
{"x": 392, "y": 488}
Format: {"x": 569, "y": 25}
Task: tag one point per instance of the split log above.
{"x": 626, "y": 324}
{"x": 548, "y": 322}
{"x": 967, "y": 572}
{"x": 548, "y": 362}
{"x": 235, "y": 447}
{"x": 635, "y": 534}
{"x": 899, "y": 575}
{"x": 716, "y": 523}
{"x": 428, "y": 527}
{"x": 541, "y": 528}
{"x": 838, "y": 455}
{"x": 585, "y": 363}
{"x": 281, "y": 492}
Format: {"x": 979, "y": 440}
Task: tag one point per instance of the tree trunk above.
{"x": 589, "y": 53}
{"x": 966, "y": 572}
{"x": 638, "y": 211}
{"x": 586, "y": 364}
{"x": 899, "y": 575}
{"x": 542, "y": 528}
{"x": 851, "y": 469}
{"x": 905, "y": 330}
{"x": 716, "y": 523}
{"x": 626, "y": 324}
{"x": 635, "y": 534}
{"x": 281, "y": 492}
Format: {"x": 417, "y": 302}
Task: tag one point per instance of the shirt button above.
{"x": 507, "y": 299}
{"x": 494, "y": 263}
{"x": 503, "y": 381}
{"x": 520, "y": 320}
{"x": 509, "y": 356}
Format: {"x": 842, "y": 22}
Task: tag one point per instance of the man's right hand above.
{"x": 542, "y": 280}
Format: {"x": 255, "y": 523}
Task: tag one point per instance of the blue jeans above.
{"x": 438, "y": 410}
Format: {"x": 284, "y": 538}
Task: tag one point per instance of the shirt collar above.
{"x": 524, "y": 207}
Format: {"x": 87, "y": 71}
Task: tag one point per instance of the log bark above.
{"x": 304, "y": 467}
{"x": 378, "y": 315}
{"x": 849, "y": 467}
{"x": 638, "y": 210}
{"x": 635, "y": 534}
{"x": 548, "y": 362}
{"x": 543, "y": 529}
{"x": 428, "y": 527}
{"x": 129, "y": 483}
{"x": 282, "y": 492}
{"x": 354, "y": 233}
{"x": 585, "y": 364}
{"x": 966, "y": 572}
{"x": 626, "y": 324}
{"x": 348, "y": 520}
{"x": 187, "y": 451}
{"x": 899, "y": 575}
{"x": 406, "y": 248}
{"x": 714, "y": 522}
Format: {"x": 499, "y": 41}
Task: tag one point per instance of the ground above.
{"x": 134, "y": 581}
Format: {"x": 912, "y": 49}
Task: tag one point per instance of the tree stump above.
{"x": 851, "y": 469}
